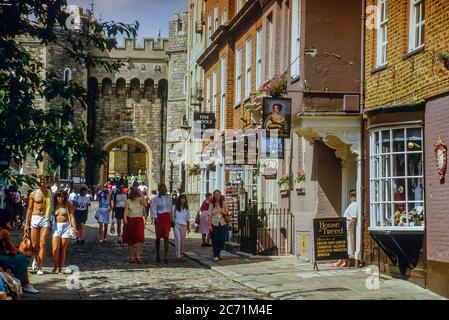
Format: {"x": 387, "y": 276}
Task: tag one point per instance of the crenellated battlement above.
{"x": 149, "y": 45}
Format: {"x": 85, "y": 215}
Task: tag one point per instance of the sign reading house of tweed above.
{"x": 330, "y": 239}
{"x": 203, "y": 125}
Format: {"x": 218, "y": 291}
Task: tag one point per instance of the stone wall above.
{"x": 176, "y": 104}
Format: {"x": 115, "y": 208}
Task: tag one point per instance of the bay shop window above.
{"x": 396, "y": 178}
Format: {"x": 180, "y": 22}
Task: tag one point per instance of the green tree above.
{"x": 25, "y": 129}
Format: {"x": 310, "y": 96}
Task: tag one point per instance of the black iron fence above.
{"x": 266, "y": 231}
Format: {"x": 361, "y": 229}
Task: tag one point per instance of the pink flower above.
{"x": 300, "y": 172}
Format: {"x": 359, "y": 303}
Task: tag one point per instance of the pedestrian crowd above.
{"x": 63, "y": 213}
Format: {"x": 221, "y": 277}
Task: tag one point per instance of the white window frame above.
{"x": 216, "y": 25}
{"x": 383, "y": 200}
{"x": 209, "y": 29}
{"x": 224, "y": 17}
{"x": 270, "y": 55}
{"x": 259, "y": 57}
{"x": 208, "y": 94}
{"x": 248, "y": 63}
{"x": 223, "y": 94}
{"x": 240, "y": 4}
{"x": 382, "y": 33}
{"x": 295, "y": 39}
{"x": 416, "y": 28}
{"x": 238, "y": 77}
{"x": 214, "y": 92}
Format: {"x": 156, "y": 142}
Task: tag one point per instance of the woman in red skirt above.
{"x": 134, "y": 220}
{"x": 162, "y": 213}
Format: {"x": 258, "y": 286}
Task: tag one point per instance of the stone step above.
{"x": 232, "y": 246}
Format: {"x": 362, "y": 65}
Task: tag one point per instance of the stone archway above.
{"x": 138, "y": 157}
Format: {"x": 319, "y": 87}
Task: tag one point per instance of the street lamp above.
{"x": 171, "y": 157}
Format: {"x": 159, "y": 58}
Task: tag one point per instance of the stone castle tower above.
{"x": 177, "y": 67}
{"x": 127, "y": 111}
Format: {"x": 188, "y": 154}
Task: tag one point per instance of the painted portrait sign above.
{"x": 277, "y": 115}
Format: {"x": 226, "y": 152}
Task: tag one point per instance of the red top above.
{"x": 204, "y": 206}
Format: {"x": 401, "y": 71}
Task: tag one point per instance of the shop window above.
{"x": 396, "y": 178}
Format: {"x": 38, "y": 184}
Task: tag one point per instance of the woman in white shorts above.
{"x": 63, "y": 222}
{"x": 103, "y": 214}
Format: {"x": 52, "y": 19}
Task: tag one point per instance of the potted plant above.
{"x": 284, "y": 183}
{"x": 300, "y": 181}
{"x": 444, "y": 56}
{"x": 195, "y": 170}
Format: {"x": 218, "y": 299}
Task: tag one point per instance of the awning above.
{"x": 402, "y": 248}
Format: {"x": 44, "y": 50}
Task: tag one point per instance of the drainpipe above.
{"x": 362, "y": 128}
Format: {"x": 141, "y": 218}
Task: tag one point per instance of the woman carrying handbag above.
{"x": 11, "y": 256}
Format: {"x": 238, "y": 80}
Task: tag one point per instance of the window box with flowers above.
{"x": 284, "y": 184}
{"x": 300, "y": 181}
{"x": 195, "y": 170}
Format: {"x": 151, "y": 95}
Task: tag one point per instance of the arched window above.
{"x": 121, "y": 87}
{"x": 106, "y": 87}
{"x": 148, "y": 88}
{"x": 179, "y": 26}
{"x": 135, "y": 89}
{"x": 67, "y": 75}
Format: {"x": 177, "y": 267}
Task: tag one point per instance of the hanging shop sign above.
{"x": 203, "y": 125}
{"x": 330, "y": 239}
{"x": 269, "y": 169}
{"x": 241, "y": 148}
{"x": 271, "y": 145}
{"x": 277, "y": 115}
{"x": 440, "y": 150}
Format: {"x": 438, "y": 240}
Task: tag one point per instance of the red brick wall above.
{"x": 437, "y": 194}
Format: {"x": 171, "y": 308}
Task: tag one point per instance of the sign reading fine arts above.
{"x": 330, "y": 239}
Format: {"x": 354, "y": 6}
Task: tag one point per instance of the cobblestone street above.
{"x": 105, "y": 273}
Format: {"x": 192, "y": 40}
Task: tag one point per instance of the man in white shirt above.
{"x": 351, "y": 218}
{"x": 72, "y": 196}
{"x": 162, "y": 213}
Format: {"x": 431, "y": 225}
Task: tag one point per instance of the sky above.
{"x": 153, "y": 15}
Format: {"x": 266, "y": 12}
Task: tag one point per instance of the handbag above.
{"x": 97, "y": 214}
{"x": 197, "y": 218}
{"x": 26, "y": 246}
{"x": 112, "y": 230}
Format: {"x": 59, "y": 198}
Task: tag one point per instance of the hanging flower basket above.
{"x": 195, "y": 170}
{"x": 284, "y": 184}
{"x": 444, "y": 56}
{"x": 276, "y": 87}
{"x": 300, "y": 181}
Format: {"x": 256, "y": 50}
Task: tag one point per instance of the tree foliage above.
{"x": 25, "y": 127}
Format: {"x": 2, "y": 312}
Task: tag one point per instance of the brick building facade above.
{"x": 406, "y": 111}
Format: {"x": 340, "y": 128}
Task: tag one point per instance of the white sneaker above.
{"x": 34, "y": 265}
{"x": 30, "y": 289}
{"x": 216, "y": 259}
{"x": 40, "y": 272}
